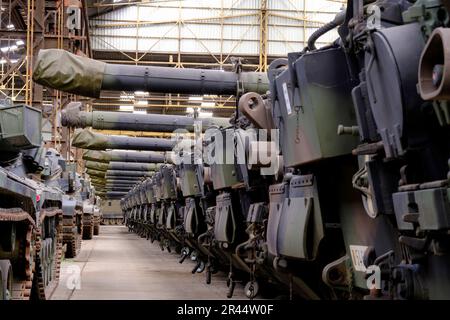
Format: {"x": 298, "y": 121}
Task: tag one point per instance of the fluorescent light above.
{"x": 126, "y": 108}
{"x": 20, "y": 42}
{"x": 10, "y": 26}
{"x": 3, "y": 61}
{"x": 142, "y": 103}
{"x": 208, "y": 104}
{"x": 196, "y": 99}
{"x": 126, "y": 97}
{"x": 11, "y": 48}
{"x": 140, "y": 93}
{"x": 139, "y": 112}
{"x": 205, "y": 114}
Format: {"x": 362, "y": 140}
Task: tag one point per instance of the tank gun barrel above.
{"x": 128, "y": 173}
{"x": 96, "y": 173}
{"x": 72, "y": 116}
{"x": 86, "y": 139}
{"x": 113, "y": 195}
{"x": 127, "y": 166}
{"x": 125, "y": 182}
{"x": 129, "y": 156}
{"x": 123, "y": 178}
{"x": 62, "y": 70}
{"x": 96, "y": 165}
{"x": 109, "y": 184}
{"x": 119, "y": 188}
{"x": 130, "y": 166}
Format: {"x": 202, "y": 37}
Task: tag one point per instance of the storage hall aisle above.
{"x": 119, "y": 265}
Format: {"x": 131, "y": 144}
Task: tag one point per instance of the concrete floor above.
{"x": 117, "y": 265}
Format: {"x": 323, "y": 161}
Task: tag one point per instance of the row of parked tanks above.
{"x": 46, "y": 208}
{"x": 344, "y": 195}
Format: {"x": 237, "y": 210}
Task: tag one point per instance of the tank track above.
{"x": 88, "y": 226}
{"x": 70, "y": 238}
{"x": 112, "y": 221}
{"x": 96, "y": 225}
{"x": 23, "y": 274}
{"x": 48, "y": 261}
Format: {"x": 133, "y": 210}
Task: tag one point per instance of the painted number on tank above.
{"x": 357, "y": 253}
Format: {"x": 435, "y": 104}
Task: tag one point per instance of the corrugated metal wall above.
{"x": 227, "y": 27}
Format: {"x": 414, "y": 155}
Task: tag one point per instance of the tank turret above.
{"x": 100, "y": 166}
{"x": 20, "y": 127}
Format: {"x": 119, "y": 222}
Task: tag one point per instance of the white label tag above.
{"x": 357, "y": 253}
{"x": 287, "y": 99}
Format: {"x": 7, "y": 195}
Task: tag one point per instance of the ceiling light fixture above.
{"x": 208, "y": 104}
{"x": 205, "y": 114}
{"x": 195, "y": 99}
{"x": 126, "y": 108}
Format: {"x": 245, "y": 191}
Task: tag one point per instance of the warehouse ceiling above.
{"x": 197, "y": 34}
{"x": 98, "y": 7}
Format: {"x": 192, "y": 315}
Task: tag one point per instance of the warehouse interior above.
{"x": 178, "y": 34}
{"x": 345, "y": 99}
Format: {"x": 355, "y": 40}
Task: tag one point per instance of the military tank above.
{"x": 30, "y": 214}
{"x": 98, "y": 215}
{"x": 91, "y": 211}
{"x": 136, "y": 219}
{"x": 72, "y": 208}
{"x": 81, "y": 217}
{"x": 111, "y": 212}
{"x": 371, "y": 106}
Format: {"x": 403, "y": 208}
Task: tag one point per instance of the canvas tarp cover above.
{"x": 96, "y": 165}
{"x": 97, "y": 181}
{"x": 96, "y": 173}
{"x": 86, "y": 139}
{"x": 64, "y": 71}
{"x": 98, "y": 156}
